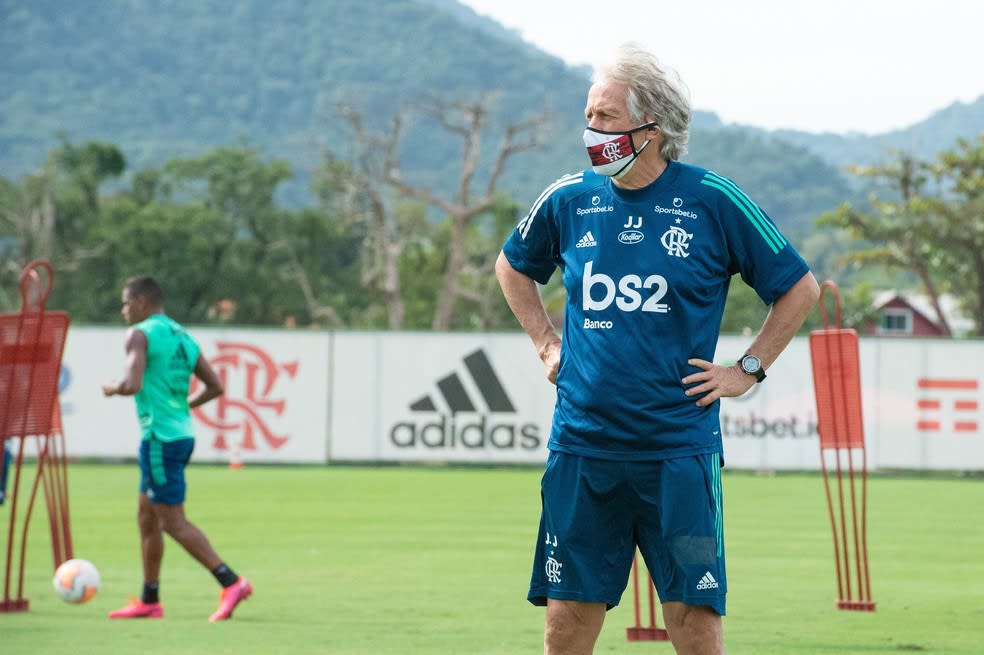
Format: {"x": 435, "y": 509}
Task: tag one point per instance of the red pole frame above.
{"x": 31, "y": 346}
{"x": 639, "y": 632}
{"x": 837, "y": 386}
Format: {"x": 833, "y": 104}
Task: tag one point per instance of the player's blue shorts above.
{"x": 162, "y": 466}
{"x": 597, "y": 512}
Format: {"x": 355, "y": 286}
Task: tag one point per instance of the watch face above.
{"x": 751, "y": 363}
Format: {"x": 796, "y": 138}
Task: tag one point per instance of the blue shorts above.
{"x": 162, "y": 466}
{"x": 597, "y": 512}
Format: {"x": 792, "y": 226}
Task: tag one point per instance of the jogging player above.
{"x": 161, "y": 357}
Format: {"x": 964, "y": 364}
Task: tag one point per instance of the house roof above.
{"x": 959, "y": 323}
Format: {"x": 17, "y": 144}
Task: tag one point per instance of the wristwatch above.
{"x": 753, "y": 366}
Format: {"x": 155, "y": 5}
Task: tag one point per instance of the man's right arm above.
{"x": 135, "y": 347}
{"x": 524, "y": 300}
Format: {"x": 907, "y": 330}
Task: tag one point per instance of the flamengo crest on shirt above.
{"x": 676, "y": 240}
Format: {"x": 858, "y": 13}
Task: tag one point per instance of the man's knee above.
{"x": 146, "y": 516}
{"x": 572, "y": 627}
{"x": 172, "y": 518}
{"x": 694, "y": 629}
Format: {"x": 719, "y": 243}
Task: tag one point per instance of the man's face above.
{"x": 134, "y": 308}
{"x": 606, "y": 109}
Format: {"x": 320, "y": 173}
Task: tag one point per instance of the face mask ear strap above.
{"x": 646, "y": 126}
{"x": 632, "y": 160}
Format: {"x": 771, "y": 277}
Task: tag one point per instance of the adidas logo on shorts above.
{"x": 707, "y": 582}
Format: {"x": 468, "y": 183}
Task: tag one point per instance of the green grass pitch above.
{"x": 434, "y": 560}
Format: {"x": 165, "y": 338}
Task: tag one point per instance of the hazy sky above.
{"x": 839, "y": 65}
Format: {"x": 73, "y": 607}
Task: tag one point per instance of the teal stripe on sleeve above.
{"x": 762, "y": 225}
{"x": 748, "y": 202}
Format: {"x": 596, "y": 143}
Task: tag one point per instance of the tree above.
{"x": 931, "y": 224}
{"x": 236, "y": 186}
{"x": 468, "y": 121}
{"x": 958, "y": 208}
{"x": 27, "y": 231}
{"x": 275, "y": 266}
{"x": 208, "y": 226}
{"x": 374, "y": 192}
{"x": 50, "y": 214}
{"x": 347, "y": 190}
{"x": 182, "y": 245}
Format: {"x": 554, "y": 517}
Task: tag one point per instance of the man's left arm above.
{"x": 213, "y": 387}
{"x": 785, "y": 318}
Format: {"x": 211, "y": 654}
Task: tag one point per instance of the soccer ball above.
{"x": 76, "y": 581}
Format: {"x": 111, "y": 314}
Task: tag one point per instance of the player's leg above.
{"x": 151, "y": 549}
{"x": 166, "y": 492}
{"x": 151, "y": 540}
{"x": 235, "y": 588}
{"x": 169, "y": 496}
{"x": 572, "y": 627}
{"x": 694, "y": 629}
{"x": 176, "y": 525}
{"x": 682, "y": 541}
{"x": 584, "y": 550}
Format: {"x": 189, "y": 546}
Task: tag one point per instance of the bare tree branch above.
{"x": 296, "y": 272}
{"x": 469, "y": 121}
{"x": 375, "y": 159}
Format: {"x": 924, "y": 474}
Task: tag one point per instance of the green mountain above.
{"x": 937, "y": 132}
{"x": 174, "y": 79}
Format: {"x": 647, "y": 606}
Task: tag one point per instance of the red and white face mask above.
{"x": 613, "y": 153}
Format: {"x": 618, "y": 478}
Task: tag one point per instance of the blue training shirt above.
{"x": 647, "y": 274}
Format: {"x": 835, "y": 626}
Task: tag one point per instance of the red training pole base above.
{"x": 646, "y": 634}
{"x": 14, "y": 605}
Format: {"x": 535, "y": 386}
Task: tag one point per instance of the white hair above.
{"x": 655, "y": 90}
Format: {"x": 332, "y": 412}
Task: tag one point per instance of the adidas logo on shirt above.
{"x": 587, "y": 241}
{"x": 707, "y": 582}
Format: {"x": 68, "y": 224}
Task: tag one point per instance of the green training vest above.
{"x": 162, "y": 403}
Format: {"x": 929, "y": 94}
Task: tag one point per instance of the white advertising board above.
{"x": 296, "y": 396}
{"x": 439, "y": 397}
{"x": 926, "y": 403}
{"x": 274, "y": 408}
{"x": 921, "y": 404}
{"x": 774, "y": 425}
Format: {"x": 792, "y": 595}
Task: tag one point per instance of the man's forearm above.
{"x": 524, "y": 300}
{"x": 785, "y": 318}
